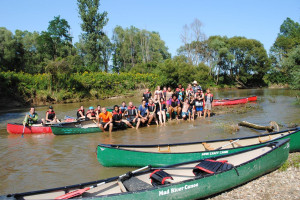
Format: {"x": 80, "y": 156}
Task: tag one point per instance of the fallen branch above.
{"x": 255, "y": 126}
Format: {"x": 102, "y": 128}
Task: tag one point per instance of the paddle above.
{"x": 226, "y": 145}
{"x": 81, "y": 191}
{"x": 23, "y": 130}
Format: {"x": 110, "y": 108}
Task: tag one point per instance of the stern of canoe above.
{"x": 73, "y": 130}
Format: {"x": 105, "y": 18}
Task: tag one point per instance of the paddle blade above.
{"x": 74, "y": 193}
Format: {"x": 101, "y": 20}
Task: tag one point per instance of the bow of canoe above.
{"x": 34, "y": 129}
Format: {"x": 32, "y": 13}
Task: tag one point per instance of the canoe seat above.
{"x": 207, "y": 146}
{"x": 134, "y": 184}
{"x": 262, "y": 141}
{"x": 168, "y": 150}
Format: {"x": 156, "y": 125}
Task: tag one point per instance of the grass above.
{"x": 292, "y": 161}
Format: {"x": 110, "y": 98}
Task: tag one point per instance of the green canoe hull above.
{"x": 195, "y": 187}
{"x": 109, "y": 155}
{"x": 208, "y": 186}
{"x": 74, "y": 130}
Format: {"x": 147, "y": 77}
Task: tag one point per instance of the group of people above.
{"x": 181, "y": 103}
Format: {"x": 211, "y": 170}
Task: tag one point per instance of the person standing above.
{"x": 189, "y": 91}
{"x": 180, "y": 92}
{"x": 209, "y": 97}
{"x": 185, "y": 110}
{"x": 158, "y": 93}
{"x": 31, "y": 117}
{"x": 196, "y": 87}
{"x": 147, "y": 95}
{"x": 169, "y": 95}
{"x": 106, "y": 118}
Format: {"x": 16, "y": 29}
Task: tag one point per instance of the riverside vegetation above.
{"x": 48, "y": 67}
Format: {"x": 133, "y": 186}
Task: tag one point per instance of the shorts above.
{"x": 131, "y": 118}
{"x": 199, "y": 108}
{"x": 207, "y": 106}
{"x": 184, "y": 114}
{"x": 103, "y": 124}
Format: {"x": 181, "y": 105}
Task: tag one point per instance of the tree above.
{"x": 93, "y": 35}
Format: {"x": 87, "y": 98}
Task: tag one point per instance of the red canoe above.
{"x": 18, "y": 129}
{"x": 253, "y": 98}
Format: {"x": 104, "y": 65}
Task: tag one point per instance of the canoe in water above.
{"x": 190, "y": 180}
{"x": 34, "y": 129}
{"x": 226, "y": 102}
{"x": 109, "y": 155}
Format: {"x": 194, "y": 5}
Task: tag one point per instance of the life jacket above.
{"x": 211, "y": 97}
{"x": 179, "y": 90}
{"x": 117, "y": 116}
{"x": 147, "y": 95}
{"x": 99, "y": 111}
{"x": 30, "y": 121}
{"x": 163, "y": 105}
{"x": 51, "y": 115}
{"x": 174, "y": 103}
{"x": 78, "y": 115}
{"x": 211, "y": 166}
{"x": 151, "y": 107}
{"x": 131, "y": 111}
{"x": 159, "y": 177}
{"x": 93, "y": 113}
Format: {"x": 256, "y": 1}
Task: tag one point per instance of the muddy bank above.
{"x": 280, "y": 184}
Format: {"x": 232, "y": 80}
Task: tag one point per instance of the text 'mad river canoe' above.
{"x": 34, "y": 129}
{"x": 190, "y": 180}
{"x": 109, "y": 155}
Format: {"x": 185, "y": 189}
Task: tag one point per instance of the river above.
{"x": 36, "y": 162}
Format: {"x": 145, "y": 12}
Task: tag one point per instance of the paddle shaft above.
{"x": 23, "y": 130}
{"x": 227, "y": 144}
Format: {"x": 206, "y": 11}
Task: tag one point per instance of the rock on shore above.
{"x": 276, "y": 185}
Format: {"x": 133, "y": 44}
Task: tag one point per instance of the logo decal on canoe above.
{"x": 214, "y": 153}
{"x": 102, "y": 149}
{"x": 176, "y": 189}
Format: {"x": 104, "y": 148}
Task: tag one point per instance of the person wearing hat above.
{"x": 50, "y": 116}
{"x": 91, "y": 114}
{"x": 196, "y": 87}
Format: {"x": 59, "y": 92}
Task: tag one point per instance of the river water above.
{"x": 43, "y": 161}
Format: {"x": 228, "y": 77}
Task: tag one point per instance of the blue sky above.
{"x": 254, "y": 19}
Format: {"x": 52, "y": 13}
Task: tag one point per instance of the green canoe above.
{"x": 189, "y": 181}
{"x": 167, "y": 154}
{"x": 58, "y": 130}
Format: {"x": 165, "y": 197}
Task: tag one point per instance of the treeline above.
{"x": 48, "y": 65}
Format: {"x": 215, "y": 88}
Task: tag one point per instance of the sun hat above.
{"x": 91, "y": 108}
{"x": 195, "y": 82}
{"x": 50, "y": 107}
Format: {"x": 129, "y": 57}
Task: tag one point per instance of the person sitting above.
{"x": 31, "y": 117}
{"x": 123, "y": 108}
{"x": 209, "y": 97}
{"x": 106, "y": 118}
{"x": 161, "y": 108}
{"x": 117, "y": 118}
{"x": 147, "y": 95}
{"x": 51, "y": 116}
{"x": 98, "y": 110}
{"x": 168, "y": 98}
{"x": 152, "y": 112}
{"x": 91, "y": 114}
{"x": 174, "y": 105}
{"x": 80, "y": 113}
{"x": 132, "y": 115}
{"x": 143, "y": 112}
{"x": 185, "y": 110}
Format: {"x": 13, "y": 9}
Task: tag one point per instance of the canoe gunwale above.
{"x": 197, "y": 142}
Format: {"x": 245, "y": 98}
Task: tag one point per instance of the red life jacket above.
{"x": 93, "y": 113}
{"x": 131, "y": 111}
{"x": 151, "y": 107}
{"x": 51, "y": 115}
{"x": 117, "y": 116}
{"x": 178, "y": 89}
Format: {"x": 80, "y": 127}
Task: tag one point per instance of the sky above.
{"x": 253, "y": 19}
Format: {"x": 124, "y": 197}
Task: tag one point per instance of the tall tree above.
{"x": 93, "y": 35}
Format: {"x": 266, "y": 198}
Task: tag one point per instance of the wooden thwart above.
{"x": 207, "y": 146}
{"x": 168, "y": 150}
{"x": 262, "y": 141}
